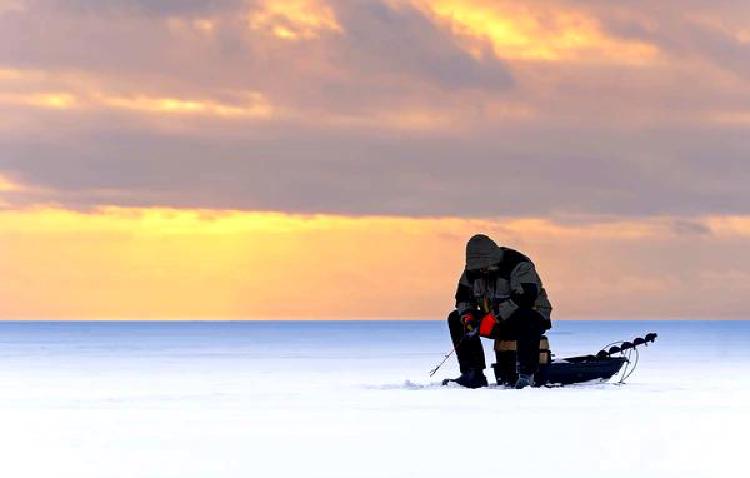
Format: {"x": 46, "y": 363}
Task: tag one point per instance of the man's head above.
{"x": 482, "y": 253}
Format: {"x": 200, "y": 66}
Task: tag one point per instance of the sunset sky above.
{"x": 330, "y": 158}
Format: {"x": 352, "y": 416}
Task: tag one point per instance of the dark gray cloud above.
{"x": 690, "y": 228}
{"x": 515, "y": 171}
{"x": 688, "y": 31}
{"x": 383, "y": 40}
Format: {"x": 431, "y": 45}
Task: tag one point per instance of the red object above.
{"x": 470, "y": 322}
{"x": 487, "y": 325}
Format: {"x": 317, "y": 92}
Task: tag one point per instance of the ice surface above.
{"x": 353, "y": 399}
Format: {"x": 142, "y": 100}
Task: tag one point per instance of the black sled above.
{"x": 621, "y": 356}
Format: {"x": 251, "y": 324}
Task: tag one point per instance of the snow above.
{"x": 353, "y": 399}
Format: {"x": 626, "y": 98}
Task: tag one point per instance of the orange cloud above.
{"x": 84, "y": 92}
{"x": 534, "y": 32}
{"x": 57, "y": 101}
{"x": 255, "y": 105}
{"x": 47, "y": 89}
{"x": 206, "y": 26}
{"x": 294, "y": 19}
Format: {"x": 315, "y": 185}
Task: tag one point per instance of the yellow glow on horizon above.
{"x": 170, "y": 263}
{"x": 165, "y": 221}
{"x": 141, "y": 263}
{"x": 295, "y": 19}
{"x": 524, "y": 32}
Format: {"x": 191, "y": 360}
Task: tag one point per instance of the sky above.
{"x": 330, "y": 158}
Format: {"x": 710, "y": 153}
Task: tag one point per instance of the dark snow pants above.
{"x": 468, "y": 349}
{"x": 526, "y": 326}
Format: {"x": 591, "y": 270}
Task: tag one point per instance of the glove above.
{"x": 487, "y": 325}
{"x": 470, "y": 323}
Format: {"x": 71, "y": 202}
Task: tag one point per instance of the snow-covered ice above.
{"x": 353, "y": 399}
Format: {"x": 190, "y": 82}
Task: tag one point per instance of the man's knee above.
{"x": 454, "y": 318}
{"x": 523, "y": 323}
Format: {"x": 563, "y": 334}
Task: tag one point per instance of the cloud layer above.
{"x": 472, "y": 108}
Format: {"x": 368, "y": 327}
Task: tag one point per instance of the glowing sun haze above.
{"x": 325, "y": 158}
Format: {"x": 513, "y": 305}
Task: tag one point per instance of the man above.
{"x": 500, "y": 292}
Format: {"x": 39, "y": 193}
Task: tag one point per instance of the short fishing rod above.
{"x": 445, "y": 358}
{"x": 452, "y": 351}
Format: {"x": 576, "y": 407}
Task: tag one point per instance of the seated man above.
{"x": 504, "y": 283}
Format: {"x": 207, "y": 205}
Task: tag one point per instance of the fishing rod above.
{"x": 452, "y": 351}
{"x": 446, "y": 357}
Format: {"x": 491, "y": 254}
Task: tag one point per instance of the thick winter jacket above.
{"x": 501, "y": 279}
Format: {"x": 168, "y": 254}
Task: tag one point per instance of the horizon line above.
{"x": 357, "y": 319}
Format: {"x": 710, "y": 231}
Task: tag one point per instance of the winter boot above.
{"x": 471, "y": 378}
{"x": 524, "y": 380}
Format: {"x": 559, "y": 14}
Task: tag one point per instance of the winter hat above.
{"x": 481, "y": 252}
